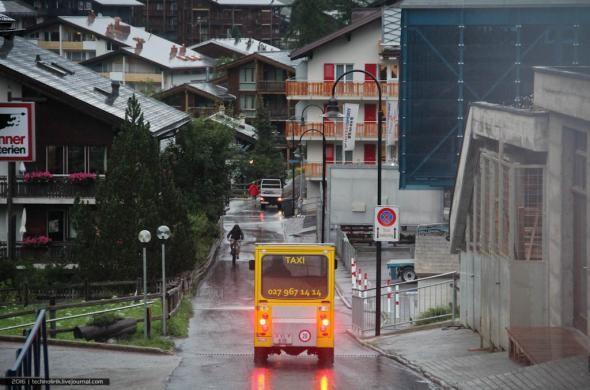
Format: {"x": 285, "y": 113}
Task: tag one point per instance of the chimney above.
{"x": 182, "y": 51}
{"x": 173, "y": 51}
{"x": 117, "y": 22}
{"x": 138, "y": 44}
{"x": 115, "y": 88}
{"x": 91, "y": 17}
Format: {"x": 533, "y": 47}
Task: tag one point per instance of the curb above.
{"x": 402, "y": 360}
{"x": 101, "y": 346}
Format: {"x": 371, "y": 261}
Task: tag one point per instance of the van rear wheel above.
{"x": 260, "y": 356}
{"x": 326, "y": 357}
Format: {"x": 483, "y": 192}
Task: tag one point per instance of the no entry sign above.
{"x": 386, "y": 224}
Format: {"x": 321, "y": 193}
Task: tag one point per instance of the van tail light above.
{"x": 262, "y": 321}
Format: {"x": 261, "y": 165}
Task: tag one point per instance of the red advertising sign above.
{"x": 17, "y": 131}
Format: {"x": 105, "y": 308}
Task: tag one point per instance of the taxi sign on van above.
{"x": 386, "y": 224}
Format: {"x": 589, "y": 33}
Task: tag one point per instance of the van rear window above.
{"x": 294, "y": 277}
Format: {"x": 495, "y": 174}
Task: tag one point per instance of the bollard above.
{"x": 53, "y": 324}
{"x": 389, "y": 296}
{"x": 86, "y": 291}
{"x": 148, "y": 322}
{"x": 397, "y": 305}
{"x": 353, "y": 271}
{"x": 26, "y": 294}
{"x": 366, "y": 284}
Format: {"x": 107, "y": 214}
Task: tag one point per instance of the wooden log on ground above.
{"x": 101, "y": 333}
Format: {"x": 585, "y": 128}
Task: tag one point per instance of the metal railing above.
{"x": 344, "y": 249}
{"x": 57, "y": 187}
{"x": 406, "y": 304}
{"x": 28, "y": 359}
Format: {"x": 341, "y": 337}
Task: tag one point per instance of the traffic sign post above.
{"x": 386, "y": 224}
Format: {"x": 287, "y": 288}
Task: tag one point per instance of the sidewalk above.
{"x": 451, "y": 357}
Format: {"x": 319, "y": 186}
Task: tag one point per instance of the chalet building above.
{"x": 122, "y": 52}
{"x": 358, "y": 46}
{"x": 520, "y": 218}
{"x": 232, "y": 47}
{"x": 22, "y": 14}
{"x": 130, "y": 11}
{"x": 201, "y": 20}
{"x": 257, "y": 80}
{"x": 77, "y": 114}
{"x": 200, "y": 100}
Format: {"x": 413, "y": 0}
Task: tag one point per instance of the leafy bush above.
{"x": 426, "y": 317}
{"x": 105, "y": 319}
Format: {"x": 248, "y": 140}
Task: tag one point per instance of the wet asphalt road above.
{"x": 218, "y": 354}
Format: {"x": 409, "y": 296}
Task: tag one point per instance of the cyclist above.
{"x": 234, "y": 236}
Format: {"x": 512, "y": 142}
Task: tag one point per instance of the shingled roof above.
{"x": 80, "y": 87}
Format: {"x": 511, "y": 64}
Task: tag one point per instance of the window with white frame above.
{"x": 247, "y": 102}
{"x": 247, "y": 82}
{"x": 341, "y": 69}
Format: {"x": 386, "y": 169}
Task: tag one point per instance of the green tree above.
{"x": 266, "y": 159}
{"x": 126, "y": 202}
{"x": 309, "y": 21}
{"x": 181, "y": 247}
{"x": 200, "y": 166}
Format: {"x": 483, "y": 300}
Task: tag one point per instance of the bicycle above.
{"x": 234, "y": 246}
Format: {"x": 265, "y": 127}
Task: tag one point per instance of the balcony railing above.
{"x": 53, "y": 251}
{"x": 343, "y": 89}
{"x": 270, "y": 86}
{"x": 314, "y": 169}
{"x": 58, "y": 187}
{"x": 331, "y": 129}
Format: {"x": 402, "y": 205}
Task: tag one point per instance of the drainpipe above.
{"x": 11, "y": 239}
{"x": 61, "y": 47}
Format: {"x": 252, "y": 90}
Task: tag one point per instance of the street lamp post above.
{"x": 145, "y": 237}
{"x": 323, "y": 176}
{"x": 333, "y": 111}
{"x": 302, "y": 122}
{"x": 163, "y": 234}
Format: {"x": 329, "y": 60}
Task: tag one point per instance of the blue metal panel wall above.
{"x": 451, "y": 57}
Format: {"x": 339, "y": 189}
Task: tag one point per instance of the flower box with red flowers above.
{"x": 82, "y": 178}
{"x": 37, "y": 241}
{"x": 38, "y": 177}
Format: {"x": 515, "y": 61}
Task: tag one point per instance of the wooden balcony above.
{"x": 313, "y": 170}
{"x": 57, "y": 187}
{"x": 350, "y": 89}
{"x": 364, "y": 130}
{"x": 270, "y": 86}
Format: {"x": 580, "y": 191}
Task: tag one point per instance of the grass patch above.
{"x": 177, "y": 325}
{"x": 438, "y": 312}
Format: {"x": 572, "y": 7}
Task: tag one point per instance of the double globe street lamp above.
{"x": 144, "y": 237}
{"x": 333, "y": 112}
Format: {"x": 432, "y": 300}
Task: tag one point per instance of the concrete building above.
{"x": 356, "y": 46}
{"x": 521, "y": 210}
{"x": 23, "y": 15}
{"x": 77, "y": 114}
{"x": 122, "y": 52}
{"x": 232, "y": 47}
{"x": 130, "y": 11}
{"x": 455, "y": 52}
{"x": 201, "y": 20}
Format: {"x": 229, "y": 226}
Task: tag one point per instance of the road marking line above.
{"x": 228, "y": 308}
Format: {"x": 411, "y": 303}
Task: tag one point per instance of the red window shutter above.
{"x": 329, "y": 153}
{"x": 370, "y": 153}
{"x": 370, "y": 113}
{"x": 328, "y": 72}
{"x": 371, "y": 68}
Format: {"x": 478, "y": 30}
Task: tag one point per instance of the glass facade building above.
{"x": 454, "y": 56}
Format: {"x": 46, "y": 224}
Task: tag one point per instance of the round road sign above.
{"x": 304, "y": 336}
{"x": 386, "y": 217}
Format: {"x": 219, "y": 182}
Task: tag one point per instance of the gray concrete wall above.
{"x": 352, "y": 197}
{"x": 497, "y": 293}
{"x": 432, "y": 255}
